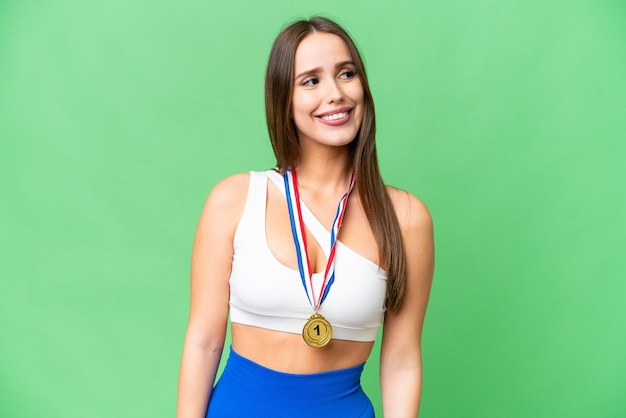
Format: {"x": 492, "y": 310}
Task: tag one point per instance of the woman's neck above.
{"x": 325, "y": 170}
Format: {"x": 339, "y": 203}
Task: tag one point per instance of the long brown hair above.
{"x": 378, "y": 207}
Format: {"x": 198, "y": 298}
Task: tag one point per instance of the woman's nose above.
{"x": 334, "y": 92}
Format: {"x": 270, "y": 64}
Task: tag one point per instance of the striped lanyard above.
{"x": 299, "y": 237}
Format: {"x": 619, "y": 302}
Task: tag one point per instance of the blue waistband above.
{"x": 247, "y": 389}
{"x": 324, "y": 384}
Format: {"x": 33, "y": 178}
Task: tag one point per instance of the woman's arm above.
{"x": 401, "y": 354}
{"x": 210, "y": 270}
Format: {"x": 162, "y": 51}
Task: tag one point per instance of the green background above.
{"x": 506, "y": 117}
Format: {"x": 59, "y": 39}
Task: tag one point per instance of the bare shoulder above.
{"x": 413, "y": 215}
{"x": 226, "y": 201}
{"x": 230, "y": 190}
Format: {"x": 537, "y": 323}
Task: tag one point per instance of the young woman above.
{"x": 310, "y": 256}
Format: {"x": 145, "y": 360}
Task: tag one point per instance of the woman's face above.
{"x": 327, "y": 102}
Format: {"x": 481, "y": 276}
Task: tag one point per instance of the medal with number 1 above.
{"x": 317, "y": 331}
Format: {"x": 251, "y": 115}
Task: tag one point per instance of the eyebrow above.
{"x": 318, "y": 69}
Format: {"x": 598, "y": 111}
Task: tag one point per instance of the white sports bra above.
{"x": 267, "y": 294}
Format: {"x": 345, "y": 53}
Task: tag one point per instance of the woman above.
{"x": 305, "y": 306}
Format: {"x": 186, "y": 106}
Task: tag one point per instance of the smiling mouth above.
{"x": 335, "y": 116}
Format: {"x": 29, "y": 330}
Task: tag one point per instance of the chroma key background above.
{"x": 508, "y": 118}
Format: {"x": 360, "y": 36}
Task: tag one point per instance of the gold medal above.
{"x": 317, "y": 331}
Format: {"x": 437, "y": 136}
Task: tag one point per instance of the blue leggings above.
{"x": 247, "y": 389}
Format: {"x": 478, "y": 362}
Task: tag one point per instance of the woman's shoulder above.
{"x": 411, "y": 211}
{"x": 230, "y": 189}
{"x": 226, "y": 200}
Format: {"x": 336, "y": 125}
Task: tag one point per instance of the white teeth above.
{"x": 335, "y": 116}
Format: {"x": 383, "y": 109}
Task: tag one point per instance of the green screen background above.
{"x": 506, "y": 117}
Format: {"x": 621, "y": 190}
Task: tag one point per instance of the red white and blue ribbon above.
{"x": 299, "y": 238}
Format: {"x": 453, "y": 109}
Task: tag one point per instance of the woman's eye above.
{"x": 309, "y": 82}
{"x": 348, "y": 74}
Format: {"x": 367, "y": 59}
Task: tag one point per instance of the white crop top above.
{"x": 267, "y": 294}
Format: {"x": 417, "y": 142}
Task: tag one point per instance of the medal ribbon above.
{"x": 299, "y": 237}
